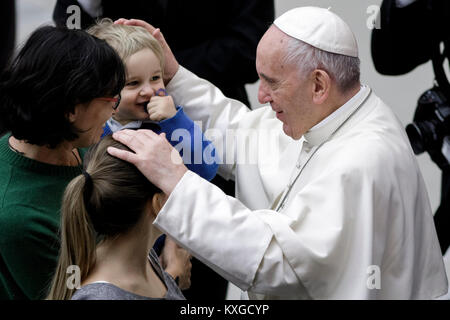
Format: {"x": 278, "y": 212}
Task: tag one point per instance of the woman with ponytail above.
{"x": 107, "y": 233}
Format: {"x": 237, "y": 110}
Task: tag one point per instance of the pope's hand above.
{"x": 171, "y": 64}
{"x": 176, "y": 261}
{"x": 153, "y": 155}
{"x": 160, "y": 108}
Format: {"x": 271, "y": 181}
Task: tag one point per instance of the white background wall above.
{"x": 399, "y": 92}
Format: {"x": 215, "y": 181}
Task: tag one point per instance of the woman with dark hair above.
{"x": 54, "y": 100}
{"x": 107, "y": 231}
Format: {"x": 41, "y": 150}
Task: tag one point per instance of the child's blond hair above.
{"x": 126, "y": 40}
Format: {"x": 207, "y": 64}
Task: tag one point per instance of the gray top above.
{"x": 108, "y": 291}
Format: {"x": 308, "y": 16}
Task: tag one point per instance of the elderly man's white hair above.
{"x": 342, "y": 69}
{"x": 320, "y": 39}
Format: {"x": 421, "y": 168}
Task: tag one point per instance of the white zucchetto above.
{"x": 320, "y": 28}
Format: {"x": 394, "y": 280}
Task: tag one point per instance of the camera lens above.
{"x": 422, "y": 135}
{"x": 415, "y": 138}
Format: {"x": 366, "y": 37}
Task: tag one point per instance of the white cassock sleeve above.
{"x": 323, "y": 245}
{"x": 259, "y": 251}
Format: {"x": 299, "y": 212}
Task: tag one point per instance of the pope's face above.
{"x": 281, "y": 85}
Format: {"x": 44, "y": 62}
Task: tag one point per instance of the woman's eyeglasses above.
{"x": 115, "y": 100}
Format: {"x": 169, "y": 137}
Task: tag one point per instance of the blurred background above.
{"x": 399, "y": 92}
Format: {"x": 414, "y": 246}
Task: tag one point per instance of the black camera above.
{"x": 430, "y": 130}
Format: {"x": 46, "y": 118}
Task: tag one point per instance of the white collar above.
{"x": 339, "y": 110}
{"x": 321, "y": 131}
{"x": 116, "y": 126}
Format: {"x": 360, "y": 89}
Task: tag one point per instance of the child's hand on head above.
{"x": 160, "y": 108}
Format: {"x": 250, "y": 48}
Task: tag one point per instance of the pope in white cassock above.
{"x": 334, "y": 207}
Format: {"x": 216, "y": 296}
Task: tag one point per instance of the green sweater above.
{"x": 30, "y": 201}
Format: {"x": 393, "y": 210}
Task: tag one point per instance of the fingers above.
{"x": 122, "y": 154}
{"x": 161, "y": 107}
{"x": 157, "y": 34}
{"x": 157, "y": 115}
{"x": 185, "y": 278}
{"x": 148, "y": 133}
{"x": 135, "y": 140}
{"x": 120, "y": 21}
{"x": 141, "y": 23}
{"x": 153, "y": 113}
{"x": 136, "y": 22}
{"x": 153, "y": 156}
{"x": 128, "y": 138}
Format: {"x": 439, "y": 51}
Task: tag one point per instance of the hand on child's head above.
{"x": 120, "y": 21}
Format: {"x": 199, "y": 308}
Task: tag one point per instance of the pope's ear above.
{"x": 321, "y": 86}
